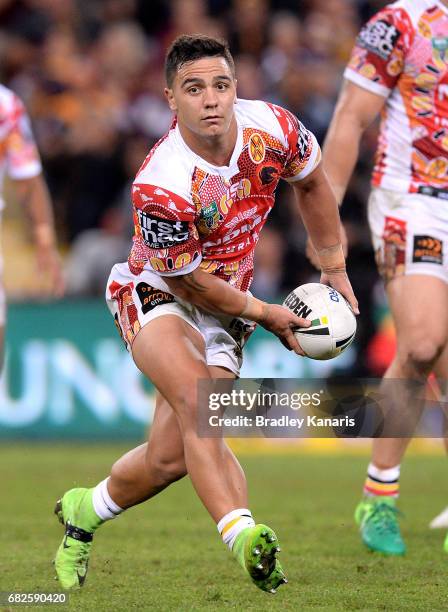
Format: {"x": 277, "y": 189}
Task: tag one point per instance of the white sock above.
{"x": 388, "y": 475}
{"x": 103, "y": 504}
{"x": 233, "y": 524}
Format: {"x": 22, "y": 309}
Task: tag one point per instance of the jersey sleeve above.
{"x": 378, "y": 58}
{"x": 165, "y": 232}
{"x": 21, "y": 155}
{"x": 303, "y": 151}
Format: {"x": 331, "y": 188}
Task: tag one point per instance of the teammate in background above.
{"x": 20, "y": 160}
{"x": 399, "y": 67}
{"x": 181, "y": 302}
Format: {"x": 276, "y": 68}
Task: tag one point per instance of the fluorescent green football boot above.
{"x": 255, "y": 549}
{"x": 378, "y": 523}
{"x": 75, "y": 511}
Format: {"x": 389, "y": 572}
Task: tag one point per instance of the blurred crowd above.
{"x": 91, "y": 75}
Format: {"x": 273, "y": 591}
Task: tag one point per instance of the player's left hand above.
{"x": 50, "y": 267}
{"x": 340, "y": 282}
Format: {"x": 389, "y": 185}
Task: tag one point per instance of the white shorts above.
{"x": 134, "y": 302}
{"x": 409, "y": 233}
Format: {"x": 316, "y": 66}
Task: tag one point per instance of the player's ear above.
{"x": 170, "y": 97}
{"x": 236, "y": 92}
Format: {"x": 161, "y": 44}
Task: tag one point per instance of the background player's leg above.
{"x": 165, "y": 350}
{"x": 419, "y": 304}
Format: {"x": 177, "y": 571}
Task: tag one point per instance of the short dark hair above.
{"x": 187, "y": 48}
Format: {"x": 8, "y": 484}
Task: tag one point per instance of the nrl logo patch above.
{"x": 209, "y": 217}
{"x": 257, "y": 148}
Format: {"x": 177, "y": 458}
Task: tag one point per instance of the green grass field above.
{"x": 166, "y": 554}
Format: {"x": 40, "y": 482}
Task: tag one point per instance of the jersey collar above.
{"x": 226, "y": 171}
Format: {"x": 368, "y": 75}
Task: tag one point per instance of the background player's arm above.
{"x": 33, "y": 194}
{"x": 320, "y": 214}
{"x": 215, "y": 295}
{"x": 355, "y": 111}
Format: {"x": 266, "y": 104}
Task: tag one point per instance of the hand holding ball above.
{"x": 333, "y": 324}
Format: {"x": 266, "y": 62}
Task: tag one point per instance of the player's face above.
{"x": 202, "y": 95}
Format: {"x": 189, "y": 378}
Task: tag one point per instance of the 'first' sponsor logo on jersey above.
{"x": 379, "y": 37}
{"x": 162, "y": 233}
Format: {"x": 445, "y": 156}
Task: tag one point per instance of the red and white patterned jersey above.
{"x": 189, "y": 213}
{"x": 18, "y": 153}
{"x": 402, "y": 54}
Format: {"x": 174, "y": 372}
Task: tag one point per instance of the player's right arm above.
{"x": 216, "y": 296}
